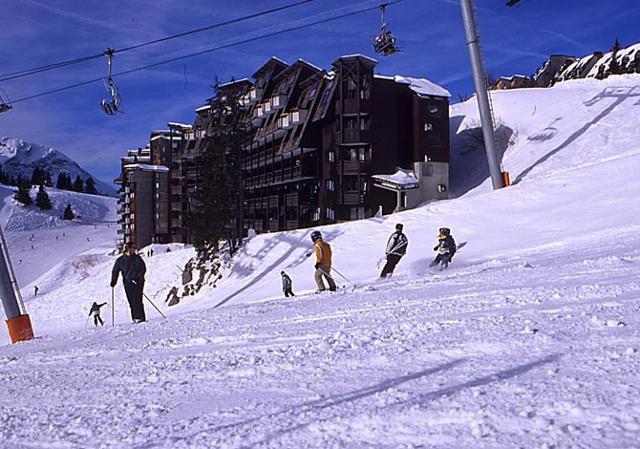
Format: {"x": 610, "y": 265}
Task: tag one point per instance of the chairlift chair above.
{"x": 5, "y": 104}
{"x": 384, "y": 42}
{"x": 112, "y": 106}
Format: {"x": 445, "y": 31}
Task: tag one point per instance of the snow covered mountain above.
{"x": 18, "y": 157}
{"x": 531, "y": 338}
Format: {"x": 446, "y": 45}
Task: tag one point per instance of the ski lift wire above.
{"x": 209, "y": 50}
{"x": 35, "y": 70}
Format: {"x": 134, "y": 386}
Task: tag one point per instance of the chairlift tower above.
{"x": 17, "y": 319}
{"x": 482, "y": 95}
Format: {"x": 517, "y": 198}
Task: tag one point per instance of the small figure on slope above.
{"x": 95, "y": 312}
{"x": 35, "y": 290}
{"x": 323, "y": 262}
{"x": 446, "y": 248}
{"x": 287, "y": 285}
{"x": 396, "y": 248}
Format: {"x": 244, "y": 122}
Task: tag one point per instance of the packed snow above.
{"x": 529, "y": 339}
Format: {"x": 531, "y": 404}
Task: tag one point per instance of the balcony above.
{"x": 354, "y": 135}
{"x": 352, "y": 106}
{"x": 355, "y": 166}
{"x": 176, "y": 206}
{"x": 176, "y": 189}
{"x": 298, "y": 116}
{"x": 255, "y": 94}
{"x": 278, "y": 102}
{"x": 284, "y": 121}
{"x": 352, "y": 198}
{"x": 291, "y": 224}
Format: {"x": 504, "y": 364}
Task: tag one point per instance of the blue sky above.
{"x": 37, "y": 32}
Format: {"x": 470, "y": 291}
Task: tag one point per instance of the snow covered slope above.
{"x": 39, "y": 240}
{"x": 18, "y": 157}
{"x": 530, "y": 339}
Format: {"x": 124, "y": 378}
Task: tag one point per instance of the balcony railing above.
{"x": 353, "y": 135}
{"x": 351, "y": 198}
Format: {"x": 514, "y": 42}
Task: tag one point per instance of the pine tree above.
{"x": 90, "y": 186}
{"x": 78, "y": 184}
{"x": 614, "y": 65}
{"x": 68, "y": 213}
{"x": 47, "y": 179}
{"x": 23, "y": 195}
{"x": 216, "y": 216}
{"x": 42, "y": 199}
{"x": 37, "y": 176}
{"x": 61, "y": 182}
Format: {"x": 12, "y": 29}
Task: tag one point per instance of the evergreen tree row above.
{"x": 39, "y": 176}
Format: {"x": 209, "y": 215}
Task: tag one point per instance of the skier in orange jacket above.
{"x": 323, "y": 262}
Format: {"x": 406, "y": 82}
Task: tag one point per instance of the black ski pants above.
{"x": 392, "y": 261}
{"x": 288, "y": 292}
{"x": 441, "y": 258}
{"x": 97, "y": 319}
{"x": 134, "y": 296}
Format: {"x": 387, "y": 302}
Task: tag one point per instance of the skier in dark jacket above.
{"x": 287, "y": 285}
{"x": 446, "y": 248}
{"x": 95, "y": 311}
{"x": 133, "y": 270}
{"x": 396, "y": 249}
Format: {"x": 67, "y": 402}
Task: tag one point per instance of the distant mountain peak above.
{"x": 20, "y": 157}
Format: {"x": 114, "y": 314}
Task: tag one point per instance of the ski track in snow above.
{"x": 529, "y": 339}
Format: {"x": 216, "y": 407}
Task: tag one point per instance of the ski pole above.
{"x": 154, "y": 306}
{"x": 343, "y": 277}
{"x": 113, "y": 306}
{"x": 86, "y": 322}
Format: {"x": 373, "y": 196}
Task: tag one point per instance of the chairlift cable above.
{"x": 57, "y": 65}
{"x": 209, "y": 50}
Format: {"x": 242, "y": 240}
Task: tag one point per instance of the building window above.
{"x": 332, "y": 156}
{"x": 364, "y": 123}
{"x": 316, "y": 215}
{"x": 331, "y": 215}
{"x": 357, "y": 213}
{"x": 350, "y": 183}
{"x": 331, "y": 185}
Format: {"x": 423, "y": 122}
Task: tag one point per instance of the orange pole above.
{"x": 20, "y": 328}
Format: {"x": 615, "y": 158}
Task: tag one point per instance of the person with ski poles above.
{"x": 287, "y": 285}
{"x": 95, "y": 312}
{"x": 446, "y": 248}
{"x": 396, "y": 249}
{"x": 323, "y": 262}
{"x": 133, "y": 269}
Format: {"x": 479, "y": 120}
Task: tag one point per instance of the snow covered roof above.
{"x": 422, "y": 86}
{"x": 231, "y": 83}
{"x": 203, "y": 108}
{"x": 402, "y": 178}
{"x": 179, "y": 125}
{"x": 148, "y": 167}
{"x": 358, "y": 55}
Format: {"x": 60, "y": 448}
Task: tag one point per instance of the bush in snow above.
{"x": 68, "y": 213}
{"x": 23, "y": 195}
{"x": 42, "y": 199}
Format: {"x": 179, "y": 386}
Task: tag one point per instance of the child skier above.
{"x": 287, "y": 285}
{"x": 95, "y": 311}
{"x": 446, "y": 248}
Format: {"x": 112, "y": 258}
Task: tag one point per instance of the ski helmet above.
{"x": 399, "y": 227}
{"x": 444, "y": 232}
{"x": 315, "y": 235}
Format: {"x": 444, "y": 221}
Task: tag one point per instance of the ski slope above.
{"x": 530, "y": 339}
